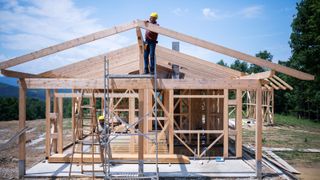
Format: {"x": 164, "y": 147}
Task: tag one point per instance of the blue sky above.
{"x": 248, "y": 26}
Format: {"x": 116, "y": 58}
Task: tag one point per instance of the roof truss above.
{"x": 141, "y": 24}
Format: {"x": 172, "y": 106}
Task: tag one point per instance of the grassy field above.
{"x": 290, "y": 132}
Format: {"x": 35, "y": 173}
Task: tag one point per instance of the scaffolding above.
{"x": 108, "y": 134}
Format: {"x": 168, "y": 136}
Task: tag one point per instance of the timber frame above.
{"x": 200, "y": 98}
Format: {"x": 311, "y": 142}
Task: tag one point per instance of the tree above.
{"x": 305, "y": 44}
{"x": 263, "y": 55}
{"x": 240, "y": 66}
{"x": 222, "y": 63}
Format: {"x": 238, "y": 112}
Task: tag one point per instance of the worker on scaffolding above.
{"x": 150, "y": 45}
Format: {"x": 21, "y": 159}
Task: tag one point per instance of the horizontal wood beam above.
{"x": 225, "y": 51}
{"x": 198, "y": 96}
{"x": 97, "y": 95}
{"x": 262, "y": 75}
{"x": 198, "y": 131}
{"x": 67, "y": 45}
{"x": 71, "y": 83}
{"x": 17, "y": 74}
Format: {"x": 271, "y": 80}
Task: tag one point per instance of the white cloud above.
{"x": 36, "y": 24}
{"x": 248, "y": 12}
{"x": 208, "y": 13}
{"x": 252, "y": 11}
{"x": 180, "y": 11}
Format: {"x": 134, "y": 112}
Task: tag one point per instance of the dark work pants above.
{"x": 151, "y": 48}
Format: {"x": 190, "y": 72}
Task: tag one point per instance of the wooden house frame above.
{"x": 209, "y": 82}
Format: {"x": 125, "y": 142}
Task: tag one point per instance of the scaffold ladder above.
{"x": 86, "y": 136}
{"x": 108, "y": 135}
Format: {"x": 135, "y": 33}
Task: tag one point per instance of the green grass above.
{"x": 300, "y": 156}
{"x": 282, "y": 120}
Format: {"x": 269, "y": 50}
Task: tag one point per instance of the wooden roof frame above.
{"x": 161, "y": 30}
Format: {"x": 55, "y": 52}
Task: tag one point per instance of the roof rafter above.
{"x": 261, "y": 75}
{"x": 224, "y": 50}
{"x": 18, "y": 74}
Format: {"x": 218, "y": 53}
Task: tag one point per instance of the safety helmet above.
{"x": 154, "y": 14}
{"x": 101, "y": 118}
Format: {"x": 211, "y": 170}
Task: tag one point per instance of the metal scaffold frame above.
{"x": 108, "y": 135}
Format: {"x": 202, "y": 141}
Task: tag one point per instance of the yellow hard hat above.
{"x": 154, "y": 14}
{"x": 101, "y": 118}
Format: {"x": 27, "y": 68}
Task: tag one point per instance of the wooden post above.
{"x": 22, "y": 124}
{"x": 131, "y": 120}
{"x": 60, "y": 126}
{"x": 141, "y": 102}
{"x": 73, "y": 111}
{"x": 48, "y": 124}
{"x": 55, "y": 128}
{"x": 170, "y": 118}
{"x": 140, "y": 138}
{"x": 239, "y": 123}
{"x": 147, "y": 114}
{"x": 225, "y": 123}
{"x": 272, "y": 108}
{"x": 258, "y": 133}
{"x": 189, "y": 115}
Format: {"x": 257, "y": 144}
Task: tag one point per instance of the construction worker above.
{"x": 150, "y": 45}
{"x": 101, "y": 121}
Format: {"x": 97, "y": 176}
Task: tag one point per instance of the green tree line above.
{"x": 35, "y": 108}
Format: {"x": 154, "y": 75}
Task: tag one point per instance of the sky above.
{"x": 248, "y": 26}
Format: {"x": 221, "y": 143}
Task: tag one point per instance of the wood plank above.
{"x": 277, "y": 83}
{"x": 48, "y": 123}
{"x": 97, "y": 95}
{"x": 283, "y": 82}
{"x": 71, "y": 83}
{"x": 198, "y": 96}
{"x": 17, "y": 74}
{"x": 147, "y": 112}
{"x": 67, "y": 45}
{"x": 239, "y": 123}
{"x": 55, "y": 128}
{"x": 225, "y": 51}
{"x": 194, "y": 60}
{"x": 73, "y": 111}
{"x": 198, "y": 131}
{"x": 261, "y": 75}
{"x": 149, "y": 158}
{"x": 170, "y": 118}
{"x": 95, "y": 63}
{"x": 225, "y": 123}
{"x": 22, "y": 125}
{"x": 60, "y": 125}
{"x": 282, "y": 162}
{"x": 190, "y": 65}
{"x": 141, "y": 128}
{"x": 131, "y": 121}
{"x": 141, "y": 49}
{"x": 258, "y": 152}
